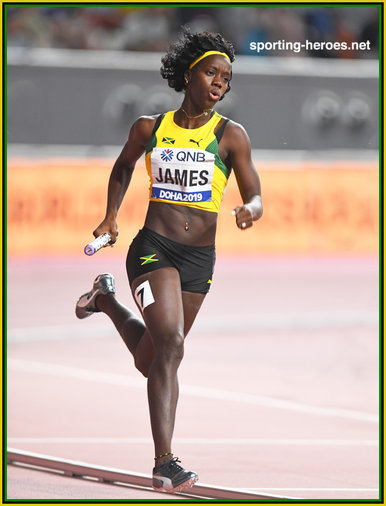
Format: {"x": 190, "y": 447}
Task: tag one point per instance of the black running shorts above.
{"x": 150, "y": 251}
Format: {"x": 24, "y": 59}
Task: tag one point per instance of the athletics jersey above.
{"x": 184, "y": 166}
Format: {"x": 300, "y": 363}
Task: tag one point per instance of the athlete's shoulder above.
{"x": 235, "y": 133}
{"x": 144, "y": 123}
{"x": 236, "y": 128}
{"x": 142, "y": 128}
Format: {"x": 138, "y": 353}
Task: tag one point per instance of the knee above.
{"x": 168, "y": 352}
{"x": 170, "y": 348}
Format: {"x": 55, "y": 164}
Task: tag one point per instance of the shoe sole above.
{"x": 183, "y": 486}
{"x": 82, "y": 312}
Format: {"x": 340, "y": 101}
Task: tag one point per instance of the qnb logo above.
{"x": 167, "y": 155}
{"x": 187, "y": 156}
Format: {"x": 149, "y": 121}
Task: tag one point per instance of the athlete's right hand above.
{"x": 109, "y": 226}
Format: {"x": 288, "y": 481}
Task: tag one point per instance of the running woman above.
{"x": 189, "y": 155}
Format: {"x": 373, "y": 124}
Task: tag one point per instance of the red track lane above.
{"x": 279, "y": 384}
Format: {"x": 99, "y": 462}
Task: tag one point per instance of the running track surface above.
{"x": 278, "y": 387}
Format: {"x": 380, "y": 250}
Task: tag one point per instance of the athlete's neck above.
{"x": 189, "y": 118}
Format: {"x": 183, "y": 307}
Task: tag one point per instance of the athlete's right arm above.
{"x": 120, "y": 176}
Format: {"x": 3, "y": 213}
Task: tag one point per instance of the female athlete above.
{"x": 189, "y": 156}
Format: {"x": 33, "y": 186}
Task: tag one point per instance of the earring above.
{"x": 186, "y": 81}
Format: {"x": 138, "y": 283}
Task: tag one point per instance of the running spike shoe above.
{"x": 103, "y": 284}
{"x": 171, "y": 477}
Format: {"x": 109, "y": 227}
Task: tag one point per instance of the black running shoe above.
{"x": 171, "y": 477}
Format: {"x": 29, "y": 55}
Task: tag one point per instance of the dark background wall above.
{"x": 92, "y": 98}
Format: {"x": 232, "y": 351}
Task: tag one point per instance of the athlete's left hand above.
{"x": 244, "y": 216}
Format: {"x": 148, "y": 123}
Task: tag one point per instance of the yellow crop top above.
{"x": 184, "y": 166}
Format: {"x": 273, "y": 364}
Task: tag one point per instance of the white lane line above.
{"x": 312, "y": 489}
{"x": 189, "y": 390}
{"x": 195, "y": 441}
{"x": 320, "y": 320}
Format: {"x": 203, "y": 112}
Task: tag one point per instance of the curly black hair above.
{"x": 188, "y": 47}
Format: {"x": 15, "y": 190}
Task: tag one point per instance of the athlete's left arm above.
{"x": 246, "y": 174}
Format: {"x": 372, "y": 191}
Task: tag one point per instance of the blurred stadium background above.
{"x": 77, "y": 77}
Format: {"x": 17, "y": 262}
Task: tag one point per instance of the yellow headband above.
{"x": 208, "y": 53}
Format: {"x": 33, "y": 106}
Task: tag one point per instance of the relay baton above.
{"x": 97, "y": 244}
